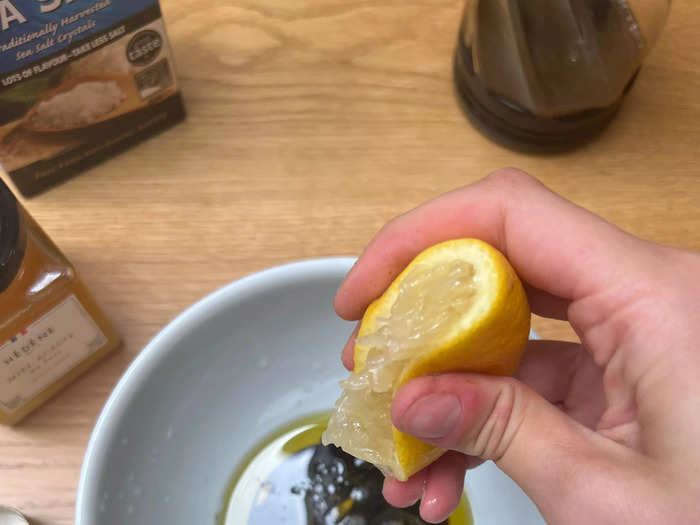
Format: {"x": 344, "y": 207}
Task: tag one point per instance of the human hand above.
{"x": 602, "y": 432}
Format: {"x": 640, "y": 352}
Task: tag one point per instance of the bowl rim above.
{"x": 153, "y": 354}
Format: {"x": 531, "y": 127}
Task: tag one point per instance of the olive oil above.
{"x": 291, "y": 479}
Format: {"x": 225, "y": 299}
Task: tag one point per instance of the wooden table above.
{"x": 310, "y": 124}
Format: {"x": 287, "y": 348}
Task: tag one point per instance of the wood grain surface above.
{"x": 311, "y": 123}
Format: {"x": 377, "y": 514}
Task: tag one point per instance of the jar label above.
{"x": 45, "y": 351}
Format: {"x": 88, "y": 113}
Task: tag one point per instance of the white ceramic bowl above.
{"x": 251, "y": 357}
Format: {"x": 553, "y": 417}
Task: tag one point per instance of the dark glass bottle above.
{"x": 550, "y": 74}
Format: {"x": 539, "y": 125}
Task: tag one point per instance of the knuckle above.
{"x": 391, "y": 230}
{"x": 511, "y": 178}
{"x": 502, "y": 422}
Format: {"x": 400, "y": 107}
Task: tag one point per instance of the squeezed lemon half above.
{"x": 458, "y": 306}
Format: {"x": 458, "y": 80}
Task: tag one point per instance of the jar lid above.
{"x": 10, "y": 516}
{"x": 11, "y": 250}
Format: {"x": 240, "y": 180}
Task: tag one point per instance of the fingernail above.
{"x": 431, "y": 417}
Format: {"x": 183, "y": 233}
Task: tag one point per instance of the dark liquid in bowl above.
{"x": 291, "y": 479}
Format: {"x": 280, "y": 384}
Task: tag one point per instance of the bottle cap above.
{"x": 11, "y": 246}
{"x": 10, "y": 516}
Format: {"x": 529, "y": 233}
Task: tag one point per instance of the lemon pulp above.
{"x": 430, "y": 302}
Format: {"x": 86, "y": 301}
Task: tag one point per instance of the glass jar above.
{"x": 551, "y": 73}
{"x": 51, "y": 329}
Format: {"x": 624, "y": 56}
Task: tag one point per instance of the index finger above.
{"x": 554, "y": 245}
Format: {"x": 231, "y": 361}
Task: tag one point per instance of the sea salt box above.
{"x": 80, "y": 80}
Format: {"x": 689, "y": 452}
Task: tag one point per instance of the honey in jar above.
{"x": 51, "y": 329}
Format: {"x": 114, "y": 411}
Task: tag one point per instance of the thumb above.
{"x": 501, "y": 419}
